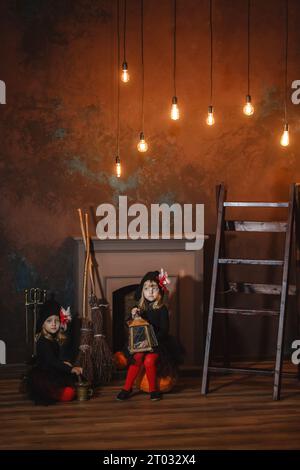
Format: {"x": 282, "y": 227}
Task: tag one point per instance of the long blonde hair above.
{"x": 158, "y": 302}
{"x": 60, "y": 337}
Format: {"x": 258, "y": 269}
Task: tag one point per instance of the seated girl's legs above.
{"x": 45, "y": 389}
{"x": 42, "y": 387}
{"x": 133, "y": 370}
{"x": 150, "y": 364}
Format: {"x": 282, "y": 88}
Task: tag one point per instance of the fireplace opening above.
{"x": 123, "y": 301}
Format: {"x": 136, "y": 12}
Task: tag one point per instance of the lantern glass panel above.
{"x": 141, "y": 337}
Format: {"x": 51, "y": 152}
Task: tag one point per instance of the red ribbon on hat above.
{"x": 64, "y": 319}
{"x": 163, "y": 280}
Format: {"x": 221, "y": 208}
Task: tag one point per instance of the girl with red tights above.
{"x": 51, "y": 379}
{"x": 150, "y": 307}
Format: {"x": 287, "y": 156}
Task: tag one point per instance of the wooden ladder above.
{"x": 282, "y": 290}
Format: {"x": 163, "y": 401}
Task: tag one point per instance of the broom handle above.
{"x": 84, "y": 287}
{"x": 84, "y": 281}
{"x": 85, "y": 244}
{"x": 84, "y": 295}
{"x": 88, "y": 251}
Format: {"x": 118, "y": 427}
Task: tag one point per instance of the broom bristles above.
{"x": 102, "y": 355}
{"x": 85, "y": 350}
{"x": 102, "y": 361}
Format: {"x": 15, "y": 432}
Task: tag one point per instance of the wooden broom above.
{"x": 86, "y": 337}
{"x": 101, "y": 353}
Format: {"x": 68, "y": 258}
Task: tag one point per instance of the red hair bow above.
{"x": 64, "y": 317}
{"x": 163, "y": 280}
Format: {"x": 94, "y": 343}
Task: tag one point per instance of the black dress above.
{"x": 49, "y": 374}
{"x": 168, "y": 349}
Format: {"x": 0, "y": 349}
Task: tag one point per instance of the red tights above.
{"x": 67, "y": 394}
{"x": 149, "y": 361}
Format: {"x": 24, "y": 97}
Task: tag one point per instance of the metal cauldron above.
{"x": 84, "y": 390}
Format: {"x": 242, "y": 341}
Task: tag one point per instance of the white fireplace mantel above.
{"x": 122, "y": 262}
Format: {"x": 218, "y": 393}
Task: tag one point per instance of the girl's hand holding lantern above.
{"x": 135, "y": 312}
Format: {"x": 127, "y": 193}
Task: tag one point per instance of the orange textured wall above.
{"x": 58, "y": 128}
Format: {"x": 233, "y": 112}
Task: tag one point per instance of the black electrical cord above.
{"x": 248, "y": 47}
{"x": 211, "y": 50}
{"x": 174, "y": 46}
{"x": 124, "y": 30}
{"x": 286, "y": 57}
{"x": 118, "y": 89}
{"x": 142, "y": 60}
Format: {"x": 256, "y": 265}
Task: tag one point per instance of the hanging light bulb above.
{"x": 248, "y": 109}
{"x": 125, "y": 75}
{"x": 174, "y": 109}
{"x": 210, "y": 120}
{"x": 285, "y": 138}
{"x": 142, "y": 146}
{"x": 118, "y": 167}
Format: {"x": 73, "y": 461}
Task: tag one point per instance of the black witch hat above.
{"x": 49, "y": 308}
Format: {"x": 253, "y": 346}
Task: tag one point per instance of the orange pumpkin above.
{"x": 120, "y": 360}
{"x": 165, "y": 384}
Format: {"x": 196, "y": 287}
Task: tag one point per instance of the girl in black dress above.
{"x": 51, "y": 379}
{"x": 151, "y": 308}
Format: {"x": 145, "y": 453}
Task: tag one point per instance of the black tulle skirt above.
{"x": 50, "y": 386}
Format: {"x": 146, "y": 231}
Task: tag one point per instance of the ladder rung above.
{"x": 243, "y": 311}
{"x": 267, "y": 262}
{"x": 248, "y": 370}
{"x": 253, "y": 226}
{"x": 245, "y": 370}
{"x": 250, "y": 288}
{"x": 256, "y": 204}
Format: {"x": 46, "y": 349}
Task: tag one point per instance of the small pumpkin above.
{"x": 165, "y": 384}
{"x": 120, "y": 360}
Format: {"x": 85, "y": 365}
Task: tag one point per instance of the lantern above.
{"x": 141, "y": 336}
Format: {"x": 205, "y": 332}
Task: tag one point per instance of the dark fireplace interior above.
{"x": 123, "y": 302}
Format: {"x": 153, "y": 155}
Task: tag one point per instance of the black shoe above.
{"x": 155, "y": 396}
{"x": 123, "y": 395}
